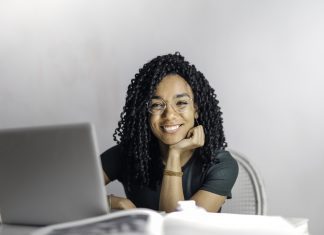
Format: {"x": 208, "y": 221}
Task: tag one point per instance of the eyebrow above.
{"x": 176, "y": 96}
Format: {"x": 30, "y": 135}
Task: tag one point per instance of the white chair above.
{"x": 248, "y": 195}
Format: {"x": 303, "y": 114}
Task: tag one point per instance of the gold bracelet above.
{"x": 173, "y": 173}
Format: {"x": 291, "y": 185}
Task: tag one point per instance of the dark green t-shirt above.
{"x": 219, "y": 178}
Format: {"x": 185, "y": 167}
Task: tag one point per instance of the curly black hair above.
{"x": 143, "y": 161}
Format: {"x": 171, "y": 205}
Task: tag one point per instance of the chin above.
{"x": 171, "y": 141}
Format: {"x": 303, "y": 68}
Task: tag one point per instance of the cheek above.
{"x": 153, "y": 123}
{"x": 190, "y": 118}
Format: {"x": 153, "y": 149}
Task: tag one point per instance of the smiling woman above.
{"x": 171, "y": 123}
{"x": 170, "y": 141}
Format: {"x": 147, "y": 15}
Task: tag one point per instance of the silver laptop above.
{"x": 50, "y": 174}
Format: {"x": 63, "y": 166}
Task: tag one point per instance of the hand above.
{"x": 121, "y": 203}
{"x": 195, "y": 138}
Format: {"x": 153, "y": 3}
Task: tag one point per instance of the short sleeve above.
{"x": 221, "y": 177}
{"x": 112, "y": 160}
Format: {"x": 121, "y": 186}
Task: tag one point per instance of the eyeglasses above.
{"x": 179, "y": 104}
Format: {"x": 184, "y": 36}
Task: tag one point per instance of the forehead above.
{"x": 172, "y": 85}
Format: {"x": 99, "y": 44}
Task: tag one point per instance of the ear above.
{"x": 196, "y": 111}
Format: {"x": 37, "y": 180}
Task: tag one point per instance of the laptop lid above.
{"x": 50, "y": 174}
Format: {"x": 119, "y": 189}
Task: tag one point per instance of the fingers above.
{"x": 199, "y": 136}
{"x": 190, "y": 133}
{"x": 196, "y": 136}
{"x": 122, "y": 203}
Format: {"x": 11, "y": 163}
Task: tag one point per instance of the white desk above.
{"x": 299, "y": 223}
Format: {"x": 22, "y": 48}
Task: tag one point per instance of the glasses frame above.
{"x": 166, "y": 104}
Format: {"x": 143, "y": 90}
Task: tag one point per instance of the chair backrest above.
{"x": 248, "y": 195}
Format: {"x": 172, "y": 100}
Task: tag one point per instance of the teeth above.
{"x": 171, "y": 128}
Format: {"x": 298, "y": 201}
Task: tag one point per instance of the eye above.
{"x": 182, "y": 103}
{"x": 157, "y": 105}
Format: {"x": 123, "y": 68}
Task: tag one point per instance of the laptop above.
{"x": 50, "y": 174}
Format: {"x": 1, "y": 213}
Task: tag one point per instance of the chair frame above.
{"x": 261, "y": 202}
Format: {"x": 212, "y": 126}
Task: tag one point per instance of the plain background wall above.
{"x": 70, "y": 61}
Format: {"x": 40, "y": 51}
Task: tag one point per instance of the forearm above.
{"x": 120, "y": 203}
{"x": 171, "y": 188}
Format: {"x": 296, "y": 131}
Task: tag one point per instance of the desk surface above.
{"x": 299, "y": 223}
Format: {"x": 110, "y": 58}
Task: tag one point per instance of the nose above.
{"x": 169, "y": 111}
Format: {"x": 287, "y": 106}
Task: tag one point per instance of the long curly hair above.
{"x": 143, "y": 161}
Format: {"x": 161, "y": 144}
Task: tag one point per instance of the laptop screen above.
{"x": 50, "y": 174}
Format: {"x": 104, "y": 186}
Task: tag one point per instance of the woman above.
{"x": 170, "y": 141}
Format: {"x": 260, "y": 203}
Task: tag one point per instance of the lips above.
{"x": 170, "y": 128}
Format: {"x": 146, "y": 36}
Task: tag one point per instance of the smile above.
{"x": 171, "y": 129}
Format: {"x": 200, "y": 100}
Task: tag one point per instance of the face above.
{"x": 173, "y": 124}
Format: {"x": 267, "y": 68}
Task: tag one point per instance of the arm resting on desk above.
{"x": 118, "y": 203}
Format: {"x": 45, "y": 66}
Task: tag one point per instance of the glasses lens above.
{"x": 156, "y": 106}
{"x": 181, "y": 104}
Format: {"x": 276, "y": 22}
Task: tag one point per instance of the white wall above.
{"x": 69, "y": 61}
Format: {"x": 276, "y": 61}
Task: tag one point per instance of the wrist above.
{"x": 174, "y": 153}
